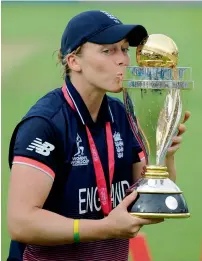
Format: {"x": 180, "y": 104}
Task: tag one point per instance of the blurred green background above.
{"x": 31, "y": 33}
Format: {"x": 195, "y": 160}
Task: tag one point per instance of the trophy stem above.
{"x": 153, "y": 171}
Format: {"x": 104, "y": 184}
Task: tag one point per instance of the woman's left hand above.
{"x": 177, "y": 140}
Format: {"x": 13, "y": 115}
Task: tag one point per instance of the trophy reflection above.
{"x": 152, "y": 95}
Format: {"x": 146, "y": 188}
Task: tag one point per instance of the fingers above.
{"x": 182, "y": 128}
{"x": 129, "y": 199}
{"x": 134, "y": 231}
{"x": 173, "y": 149}
{"x": 147, "y": 221}
{"x": 176, "y": 140}
{"x": 186, "y": 116}
{"x": 134, "y": 234}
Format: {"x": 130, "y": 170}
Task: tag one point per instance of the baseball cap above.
{"x": 100, "y": 27}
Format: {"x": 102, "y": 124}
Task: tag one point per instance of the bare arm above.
{"x": 29, "y": 223}
{"x": 177, "y": 140}
{"x": 170, "y": 164}
{"x": 138, "y": 169}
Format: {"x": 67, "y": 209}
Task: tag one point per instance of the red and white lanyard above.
{"x": 105, "y": 197}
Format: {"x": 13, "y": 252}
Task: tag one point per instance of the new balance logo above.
{"x": 41, "y": 148}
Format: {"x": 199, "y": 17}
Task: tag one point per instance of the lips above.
{"x": 120, "y": 76}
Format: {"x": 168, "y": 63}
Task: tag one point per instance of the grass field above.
{"x": 31, "y": 33}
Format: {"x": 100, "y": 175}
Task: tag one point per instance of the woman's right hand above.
{"x": 122, "y": 224}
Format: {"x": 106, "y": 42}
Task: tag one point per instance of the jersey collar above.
{"x": 104, "y": 115}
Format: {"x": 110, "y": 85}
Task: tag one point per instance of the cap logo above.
{"x": 68, "y": 51}
{"x": 111, "y": 17}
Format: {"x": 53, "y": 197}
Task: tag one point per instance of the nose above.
{"x": 122, "y": 59}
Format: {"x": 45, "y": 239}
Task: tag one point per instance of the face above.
{"x": 103, "y": 66}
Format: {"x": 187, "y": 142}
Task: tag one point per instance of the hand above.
{"x": 121, "y": 224}
{"x": 177, "y": 140}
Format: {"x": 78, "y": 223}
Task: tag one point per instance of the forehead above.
{"x": 90, "y": 45}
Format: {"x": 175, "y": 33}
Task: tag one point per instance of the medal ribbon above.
{"x": 105, "y": 197}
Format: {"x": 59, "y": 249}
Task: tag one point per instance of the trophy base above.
{"x": 159, "y": 205}
{"x": 160, "y": 215}
{"x": 158, "y": 196}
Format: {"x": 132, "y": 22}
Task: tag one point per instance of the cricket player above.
{"x": 73, "y": 155}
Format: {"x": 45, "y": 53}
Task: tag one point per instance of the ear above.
{"x": 73, "y": 62}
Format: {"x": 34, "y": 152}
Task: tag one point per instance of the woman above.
{"x": 73, "y": 155}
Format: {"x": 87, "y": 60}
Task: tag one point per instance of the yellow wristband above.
{"x": 76, "y": 231}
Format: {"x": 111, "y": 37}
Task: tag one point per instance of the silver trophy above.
{"x": 152, "y": 94}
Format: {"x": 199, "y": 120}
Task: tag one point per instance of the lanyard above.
{"x": 105, "y": 197}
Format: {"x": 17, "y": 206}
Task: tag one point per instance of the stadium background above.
{"x": 31, "y": 33}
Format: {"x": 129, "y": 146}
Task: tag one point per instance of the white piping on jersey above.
{"x": 111, "y": 114}
{"x": 79, "y": 111}
{"x": 28, "y": 164}
{"x": 76, "y": 106}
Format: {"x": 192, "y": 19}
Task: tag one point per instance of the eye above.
{"x": 106, "y": 51}
{"x": 125, "y": 50}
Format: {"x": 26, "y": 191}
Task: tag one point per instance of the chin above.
{"x": 116, "y": 89}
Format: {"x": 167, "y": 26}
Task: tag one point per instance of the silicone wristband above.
{"x": 76, "y": 231}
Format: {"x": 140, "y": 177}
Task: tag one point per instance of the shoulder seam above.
{"x": 60, "y": 107}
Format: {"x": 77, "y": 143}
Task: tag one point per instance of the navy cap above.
{"x": 99, "y": 27}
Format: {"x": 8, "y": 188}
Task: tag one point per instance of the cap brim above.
{"x": 133, "y": 33}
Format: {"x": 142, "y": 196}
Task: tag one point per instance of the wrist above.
{"x": 90, "y": 230}
{"x": 107, "y": 228}
{"x": 170, "y": 164}
{"x": 76, "y": 231}
{"x": 169, "y": 160}
{"x": 169, "y": 157}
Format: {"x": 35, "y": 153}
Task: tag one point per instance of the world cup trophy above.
{"x": 152, "y": 94}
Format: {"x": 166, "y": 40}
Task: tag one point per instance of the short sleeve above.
{"x": 36, "y": 145}
{"x": 138, "y": 154}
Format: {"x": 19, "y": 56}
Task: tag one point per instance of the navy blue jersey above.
{"x": 52, "y": 138}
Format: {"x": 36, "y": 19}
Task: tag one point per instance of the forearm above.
{"x": 43, "y": 227}
{"x": 170, "y": 164}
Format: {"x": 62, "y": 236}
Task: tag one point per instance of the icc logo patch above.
{"x": 79, "y": 159}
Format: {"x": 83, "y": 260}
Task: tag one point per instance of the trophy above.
{"x": 152, "y": 94}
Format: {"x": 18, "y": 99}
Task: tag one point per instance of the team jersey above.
{"x": 52, "y": 138}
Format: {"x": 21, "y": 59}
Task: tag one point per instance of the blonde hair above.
{"x": 63, "y": 61}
